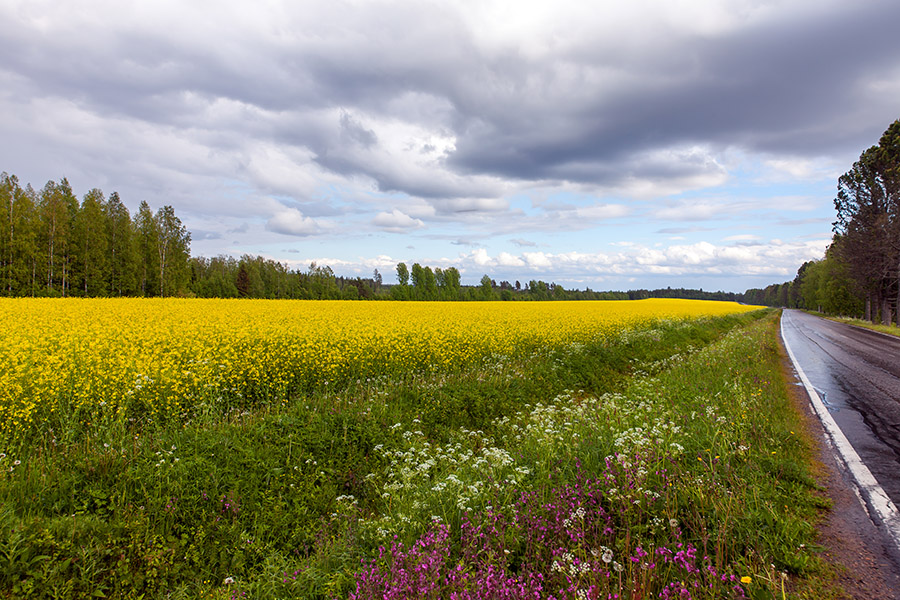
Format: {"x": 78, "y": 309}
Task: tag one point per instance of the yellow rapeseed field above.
{"x": 117, "y": 358}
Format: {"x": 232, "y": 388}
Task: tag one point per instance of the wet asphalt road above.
{"x": 857, "y": 374}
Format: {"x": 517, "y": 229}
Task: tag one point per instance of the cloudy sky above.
{"x": 610, "y": 145}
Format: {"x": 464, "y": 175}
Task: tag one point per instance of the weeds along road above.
{"x": 856, "y": 373}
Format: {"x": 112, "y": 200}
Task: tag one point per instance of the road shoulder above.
{"x": 851, "y": 544}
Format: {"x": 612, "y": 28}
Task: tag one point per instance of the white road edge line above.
{"x": 879, "y": 504}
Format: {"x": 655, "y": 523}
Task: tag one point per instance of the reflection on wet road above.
{"x": 857, "y": 374}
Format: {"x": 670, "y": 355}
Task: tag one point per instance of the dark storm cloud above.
{"x": 788, "y": 87}
{"x": 781, "y": 86}
{"x": 413, "y": 98}
{"x": 354, "y": 131}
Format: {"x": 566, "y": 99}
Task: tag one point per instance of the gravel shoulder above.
{"x": 863, "y": 566}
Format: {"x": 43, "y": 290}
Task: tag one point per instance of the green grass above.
{"x": 888, "y": 329}
{"x": 285, "y": 501}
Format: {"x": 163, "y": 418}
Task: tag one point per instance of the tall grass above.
{"x": 659, "y": 462}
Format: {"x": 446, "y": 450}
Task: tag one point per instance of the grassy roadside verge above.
{"x": 888, "y": 329}
{"x": 661, "y": 462}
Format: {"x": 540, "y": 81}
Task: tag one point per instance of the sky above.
{"x": 603, "y": 145}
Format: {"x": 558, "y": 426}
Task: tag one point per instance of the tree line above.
{"x": 860, "y": 273}
{"x": 424, "y": 283}
{"x": 53, "y": 245}
{"x": 258, "y": 277}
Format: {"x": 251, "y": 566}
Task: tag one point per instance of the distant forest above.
{"x": 859, "y": 276}
{"x": 52, "y": 244}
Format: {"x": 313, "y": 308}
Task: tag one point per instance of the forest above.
{"x": 53, "y": 245}
{"x": 859, "y": 276}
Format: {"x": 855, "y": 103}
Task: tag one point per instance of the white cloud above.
{"x": 693, "y": 254}
{"x": 504, "y": 259}
{"x": 692, "y": 211}
{"x": 537, "y": 260}
{"x": 396, "y": 221}
{"x": 599, "y": 212}
{"x": 480, "y": 257}
{"x": 793, "y": 168}
{"x": 775, "y": 258}
{"x": 291, "y": 221}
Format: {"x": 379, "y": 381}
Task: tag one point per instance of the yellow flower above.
{"x": 116, "y": 357}
{"x": 746, "y": 579}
